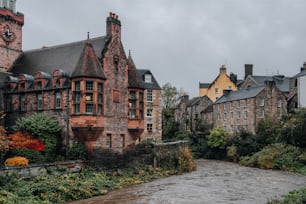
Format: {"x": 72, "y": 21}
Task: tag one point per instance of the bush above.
{"x": 32, "y": 155}
{"x": 16, "y": 161}
{"x": 217, "y": 138}
{"x": 276, "y": 156}
{"x": 185, "y": 161}
{"x": 77, "y": 151}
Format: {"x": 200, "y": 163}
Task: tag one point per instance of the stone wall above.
{"x": 41, "y": 169}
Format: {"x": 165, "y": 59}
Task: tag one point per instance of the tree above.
{"x": 217, "y": 138}
{"x": 169, "y": 96}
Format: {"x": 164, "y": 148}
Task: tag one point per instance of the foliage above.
{"x": 32, "y": 155}
{"x": 277, "y": 156}
{"x": 77, "y": 151}
{"x": 169, "y": 96}
{"x": 294, "y": 130}
{"x": 42, "y": 127}
{"x": 183, "y": 135}
{"x": 68, "y": 187}
{"x": 185, "y": 161}
{"x": 21, "y": 140}
{"x": 217, "y": 138}
{"x": 296, "y": 197}
{"x": 170, "y": 127}
{"x": 232, "y": 152}
{"x": 267, "y": 131}
{"x": 16, "y": 161}
{"x": 4, "y": 143}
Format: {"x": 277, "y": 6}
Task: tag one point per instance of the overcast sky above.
{"x": 182, "y": 42}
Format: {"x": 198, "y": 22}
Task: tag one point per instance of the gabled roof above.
{"x": 48, "y": 59}
{"x": 153, "y": 85}
{"x": 88, "y": 64}
{"x": 135, "y": 80}
{"x": 281, "y": 82}
{"x": 241, "y": 94}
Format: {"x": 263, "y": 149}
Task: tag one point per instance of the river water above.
{"x": 213, "y": 182}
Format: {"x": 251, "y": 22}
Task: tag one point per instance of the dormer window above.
{"x": 57, "y": 83}
{"x": 38, "y": 85}
{"x": 148, "y": 78}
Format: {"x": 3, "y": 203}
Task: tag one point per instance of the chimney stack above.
{"x": 304, "y": 67}
{"x": 223, "y": 69}
{"x": 248, "y": 70}
{"x": 113, "y": 25}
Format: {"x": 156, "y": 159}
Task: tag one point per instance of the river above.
{"x": 213, "y": 182}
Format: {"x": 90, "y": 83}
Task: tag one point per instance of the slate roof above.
{"x": 88, "y": 64}
{"x": 302, "y": 73}
{"x": 153, "y": 85}
{"x": 135, "y": 80}
{"x": 48, "y": 59}
{"x": 193, "y": 101}
{"x": 241, "y": 94}
{"x": 204, "y": 85}
{"x": 281, "y": 82}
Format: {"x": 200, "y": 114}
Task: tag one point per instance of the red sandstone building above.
{"x": 91, "y": 87}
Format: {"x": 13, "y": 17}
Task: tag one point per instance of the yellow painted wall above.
{"x": 222, "y": 82}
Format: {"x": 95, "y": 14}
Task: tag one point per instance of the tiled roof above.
{"x": 88, "y": 64}
{"x": 153, "y": 85}
{"x": 302, "y": 73}
{"x": 48, "y": 59}
{"x": 241, "y": 94}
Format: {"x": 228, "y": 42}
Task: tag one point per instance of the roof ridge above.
{"x": 61, "y": 45}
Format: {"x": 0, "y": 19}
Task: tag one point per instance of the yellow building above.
{"x": 215, "y": 89}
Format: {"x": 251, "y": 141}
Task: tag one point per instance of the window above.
{"x": 262, "y": 102}
{"x": 238, "y": 104}
{"x": 122, "y": 140}
{"x": 132, "y": 104}
{"x": 39, "y": 85}
{"x": 262, "y": 113}
{"x": 22, "y": 86}
{"x": 109, "y": 140}
{"x": 232, "y": 115}
{"x": 218, "y": 116}
{"x": 230, "y": 87}
{"x": 89, "y": 108}
{"x": 39, "y": 102}
{"x": 279, "y": 103}
{"x": 224, "y": 106}
{"x": 245, "y": 102}
{"x": 58, "y": 83}
{"x": 22, "y": 103}
{"x": 231, "y": 105}
{"x": 216, "y": 90}
{"x": 149, "y": 112}
{"x": 58, "y": 100}
{"x": 77, "y": 97}
{"x": 89, "y": 86}
{"x": 149, "y": 127}
{"x": 224, "y": 116}
{"x": 148, "y": 78}
{"x": 238, "y": 115}
{"x": 100, "y": 98}
{"x": 141, "y": 105}
{"x": 246, "y": 114}
{"x": 149, "y": 95}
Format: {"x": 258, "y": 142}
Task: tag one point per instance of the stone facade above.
{"x": 243, "y": 109}
{"x": 11, "y": 37}
{"x": 89, "y": 87}
{"x": 189, "y": 112}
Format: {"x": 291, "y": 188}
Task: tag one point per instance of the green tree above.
{"x": 217, "y": 138}
{"x": 169, "y": 96}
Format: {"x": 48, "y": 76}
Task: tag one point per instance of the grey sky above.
{"x": 181, "y": 42}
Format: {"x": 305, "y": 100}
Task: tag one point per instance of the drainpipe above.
{"x": 67, "y": 121}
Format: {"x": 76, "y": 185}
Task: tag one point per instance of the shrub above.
{"x": 77, "y": 151}
{"x": 16, "y": 161}
{"x": 217, "y": 138}
{"x": 32, "y": 155}
{"x": 185, "y": 161}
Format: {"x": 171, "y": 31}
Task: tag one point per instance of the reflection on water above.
{"x": 213, "y": 182}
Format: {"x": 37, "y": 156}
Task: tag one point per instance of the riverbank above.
{"x": 212, "y": 182}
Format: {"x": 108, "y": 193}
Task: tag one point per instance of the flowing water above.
{"x": 213, "y": 182}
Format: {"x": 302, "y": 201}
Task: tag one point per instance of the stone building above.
{"x": 89, "y": 86}
{"x": 222, "y": 82}
{"x": 154, "y": 108}
{"x": 244, "y": 108}
{"x": 297, "y": 86}
{"x": 190, "y": 111}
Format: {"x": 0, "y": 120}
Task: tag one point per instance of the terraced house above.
{"x": 91, "y": 87}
